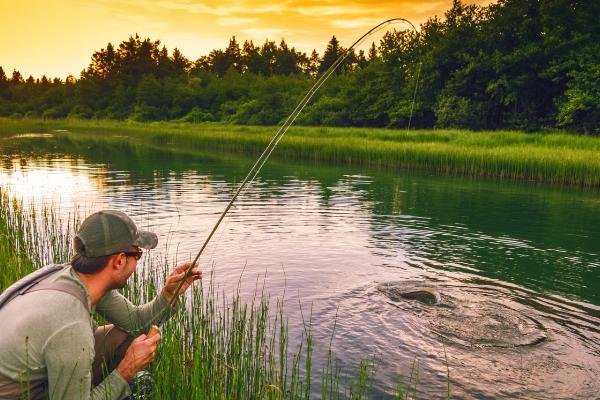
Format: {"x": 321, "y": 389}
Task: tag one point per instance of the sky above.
{"x": 58, "y": 37}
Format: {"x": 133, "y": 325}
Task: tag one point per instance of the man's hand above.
{"x": 139, "y": 355}
{"x": 175, "y": 278}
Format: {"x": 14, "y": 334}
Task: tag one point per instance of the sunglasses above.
{"x": 135, "y": 254}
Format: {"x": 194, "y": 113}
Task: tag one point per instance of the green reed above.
{"x": 216, "y": 346}
{"x": 556, "y": 158}
{"x": 408, "y": 390}
{"x": 30, "y": 237}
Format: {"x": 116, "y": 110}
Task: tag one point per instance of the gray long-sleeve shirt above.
{"x": 50, "y": 335}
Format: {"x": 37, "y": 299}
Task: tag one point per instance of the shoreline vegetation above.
{"x": 219, "y": 346}
{"x": 552, "y": 158}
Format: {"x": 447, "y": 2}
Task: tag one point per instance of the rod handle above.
{"x": 153, "y": 331}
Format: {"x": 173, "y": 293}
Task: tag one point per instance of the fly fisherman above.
{"x": 51, "y": 347}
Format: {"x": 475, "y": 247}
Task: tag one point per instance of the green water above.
{"x": 514, "y": 260}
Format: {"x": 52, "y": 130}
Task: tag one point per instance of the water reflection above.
{"x": 61, "y": 180}
{"x": 507, "y": 259}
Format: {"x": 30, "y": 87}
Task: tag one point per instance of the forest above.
{"x": 515, "y": 64}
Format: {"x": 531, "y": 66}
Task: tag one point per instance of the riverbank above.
{"x": 555, "y": 158}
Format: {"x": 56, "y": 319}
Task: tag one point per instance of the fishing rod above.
{"x": 279, "y": 134}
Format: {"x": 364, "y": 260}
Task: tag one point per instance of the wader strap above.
{"x": 27, "y": 281}
{"x": 60, "y": 287}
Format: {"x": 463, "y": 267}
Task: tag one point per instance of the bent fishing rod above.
{"x": 279, "y": 134}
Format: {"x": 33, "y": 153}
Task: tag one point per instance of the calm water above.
{"x": 517, "y": 266}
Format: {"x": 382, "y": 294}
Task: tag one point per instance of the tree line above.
{"x": 515, "y": 64}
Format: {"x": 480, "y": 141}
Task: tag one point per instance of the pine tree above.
{"x": 268, "y": 52}
{"x": 233, "y": 54}
{"x": 313, "y": 64}
{"x": 361, "y": 60}
{"x": 164, "y": 65}
{"x": 103, "y": 63}
{"x": 372, "y": 55}
{"x": 251, "y": 59}
{"x": 16, "y": 77}
{"x": 286, "y": 60}
{"x": 217, "y": 62}
{"x": 332, "y": 53}
{"x": 3, "y": 83}
{"x": 180, "y": 63}
{"x": 137, "y": 58}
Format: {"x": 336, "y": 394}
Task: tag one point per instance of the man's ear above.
{"x": 117, "y": 261}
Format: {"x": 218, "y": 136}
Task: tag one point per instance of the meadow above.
{"x": 549, "y": 157}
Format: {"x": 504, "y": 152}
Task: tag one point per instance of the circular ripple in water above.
{"x": 485, "y": 323}
{"x": 471, "y": 320}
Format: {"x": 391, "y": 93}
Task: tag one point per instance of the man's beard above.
{"x": 122, "y": 285}
{"x": 119, "y": 285}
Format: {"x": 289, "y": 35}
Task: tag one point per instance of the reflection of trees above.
{"x": 518, "y": 233}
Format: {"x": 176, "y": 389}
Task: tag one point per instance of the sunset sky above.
{"x": 58, "y": 37}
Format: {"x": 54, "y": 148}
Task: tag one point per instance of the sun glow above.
{"x": 58, "y": 183}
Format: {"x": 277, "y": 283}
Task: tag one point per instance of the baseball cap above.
{"x": 109, "y": 231}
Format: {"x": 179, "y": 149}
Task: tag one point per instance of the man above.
{"x": 50, "y": 346}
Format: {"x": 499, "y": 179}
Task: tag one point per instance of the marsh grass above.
{"x": 216, "y": 346}
{"x": 556, "y": 158}
{"x": 408, "y": 389}
{"x": 30, "y": 237}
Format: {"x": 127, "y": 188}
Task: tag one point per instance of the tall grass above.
{"x": 216, "y": 347}
{"x": 557, "y": 158}
{"x": 30, "y": 237}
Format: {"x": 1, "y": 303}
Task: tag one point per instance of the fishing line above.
{"x": 281, "y": 131}
{"x": 412, "y": 105}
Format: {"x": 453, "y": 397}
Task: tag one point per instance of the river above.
{"x": 516, "y": 265}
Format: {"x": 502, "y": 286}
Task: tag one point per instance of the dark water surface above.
{"x": 516, "y": 266}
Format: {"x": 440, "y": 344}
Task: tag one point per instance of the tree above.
{"x": 580, "y": 110}
{"x": 3, "y": 83}
{"x": 164, "y": 64}
{"x": 223, "y": 61}
{"x": 313, "y": 64}
{"x": 180, "y": 63}
{"x": 361, "y": 60}
{"x": 332, "y": 52}
{"x": 136, "y": 58}
{"x": 233, "y": 55}
{"x": 252, "y": 60}
{"x": 103, "y": 63}
{"x": 218, "y": 62}
{"x": 288, "y": 61}
{"x": 16, "y": 77}
{"x": 372, "y": 55}
{"x": 268, "y": 52}
{"x": 45, "y": 82}
{"x": 150, "y": 99}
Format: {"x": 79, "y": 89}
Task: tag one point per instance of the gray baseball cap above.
{"x": 109, "y": 232}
